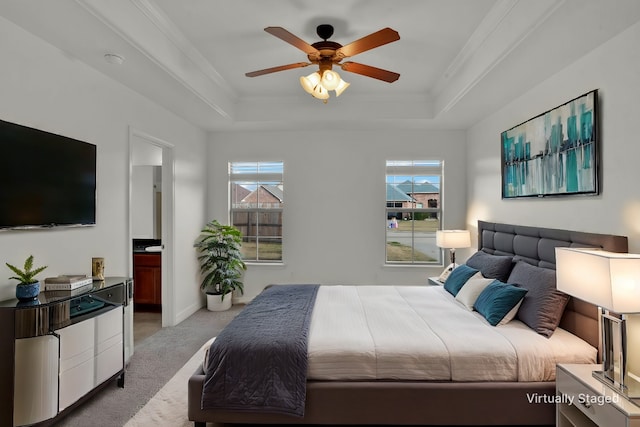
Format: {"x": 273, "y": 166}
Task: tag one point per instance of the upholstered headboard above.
{"x": 536, "y": 246}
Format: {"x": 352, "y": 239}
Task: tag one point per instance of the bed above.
{"x": 506, "y": 394}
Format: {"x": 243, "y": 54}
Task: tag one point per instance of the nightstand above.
{"x": 433, "y": 281}
{"x": 583, "y": 401}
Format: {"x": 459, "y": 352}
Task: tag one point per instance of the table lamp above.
{"x": 612, "y": 282}
{"x": 453, "y": 239}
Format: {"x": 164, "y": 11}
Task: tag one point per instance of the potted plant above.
{"x": 221, "y": 263}
{"x": 28, "y": 287}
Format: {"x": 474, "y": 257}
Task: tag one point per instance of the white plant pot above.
{"x": 216, "y": 303}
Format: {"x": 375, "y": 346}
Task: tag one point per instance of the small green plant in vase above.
{"x": 220, "y": 259}
{"x": 28, "y": 287}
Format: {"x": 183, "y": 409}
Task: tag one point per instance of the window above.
{"x": 413, "y": 211}
{"x": 257, "y": 199}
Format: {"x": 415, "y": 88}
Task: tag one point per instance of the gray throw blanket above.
{"x": 258, "y": 363}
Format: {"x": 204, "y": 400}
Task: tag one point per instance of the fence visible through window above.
{"x": 257, "y": 201}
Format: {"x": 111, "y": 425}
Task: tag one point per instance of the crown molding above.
{"x": 504, "y": 29}
{"x": 489, "y": 24}
{"x": 152, "y": 34}
{"x": 171, "y": 31}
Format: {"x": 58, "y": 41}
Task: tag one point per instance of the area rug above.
{"x": 168, "y": 407}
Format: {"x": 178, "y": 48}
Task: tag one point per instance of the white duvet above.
{"x": 423, "y": 333}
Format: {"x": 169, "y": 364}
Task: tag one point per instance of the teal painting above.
{"x": 554, "y": 153}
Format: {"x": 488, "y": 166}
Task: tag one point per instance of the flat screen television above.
{"x": 46, "y": 180}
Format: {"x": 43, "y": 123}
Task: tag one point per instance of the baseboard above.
{"x": 184, "y": 314}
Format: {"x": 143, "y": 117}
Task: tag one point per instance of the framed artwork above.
{"x": 553, "y": 154}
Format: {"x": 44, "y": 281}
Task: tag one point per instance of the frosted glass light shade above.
{"x": 608, "y": 279}
{"x": 330, "y": 79}
{"x": 309, "y": 82}
{"x": 341, "y": 87}
{"x": 452, "y": 239}
{"x": 320, "y": 92}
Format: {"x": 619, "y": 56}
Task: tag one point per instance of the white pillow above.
{"x": 205, "y": 350}
{"x": 470, "y": 291}
{"x": 510, "y": 315}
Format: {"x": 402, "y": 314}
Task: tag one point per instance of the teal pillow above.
{"x": 497, "y": 299}
{"x": 458, "y": 278}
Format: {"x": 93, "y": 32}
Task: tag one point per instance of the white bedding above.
{"x": 423, "y": 333}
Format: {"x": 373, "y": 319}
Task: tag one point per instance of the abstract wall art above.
{"x": 555, "y": 153}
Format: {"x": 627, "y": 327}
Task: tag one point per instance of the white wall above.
{"x": 613, "y": 69}
{"x": 143, "y": 202}
{"x": 334, "y": 212}
{"x": 43, "y": 87}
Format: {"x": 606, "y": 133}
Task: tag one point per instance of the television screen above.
{"x": 47, "y": 180}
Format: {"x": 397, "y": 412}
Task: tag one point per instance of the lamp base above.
{"x": 630, "y": 390}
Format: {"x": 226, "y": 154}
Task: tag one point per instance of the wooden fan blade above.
{"x": 276, "y": 69}
{"x": 369, "y": 71}
{"x": 379, "y": 38}
{"x": 292, "y": 39}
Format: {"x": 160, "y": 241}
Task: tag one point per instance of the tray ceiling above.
{"x": 458, "y": 59}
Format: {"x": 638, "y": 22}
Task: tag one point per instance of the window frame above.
{"x": 259, "y": 179}
{"x": 411, "y": 169}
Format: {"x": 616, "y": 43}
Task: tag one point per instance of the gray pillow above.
{"x": 543, "y": 305}
{"x": 491, "y": 266}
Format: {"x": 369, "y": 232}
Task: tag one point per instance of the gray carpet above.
{"x": 155, "y": 360}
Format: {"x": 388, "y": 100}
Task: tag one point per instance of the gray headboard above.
{"x": 536, "y": 246}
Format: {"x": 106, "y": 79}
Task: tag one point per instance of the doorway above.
{"x": 151, "y": 199}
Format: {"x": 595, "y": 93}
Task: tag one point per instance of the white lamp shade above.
{"x": 608, "y": 279}
{"x": 330, "y": 79}
{"x": 320, "y": 92}
{"x": 309, "y": 82}
{"x": 453, "y": 239}
{"x": 341, "y": 87}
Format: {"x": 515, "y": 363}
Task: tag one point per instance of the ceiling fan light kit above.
{"x": 328, "y": 53}
{"x": 319, "y": 87}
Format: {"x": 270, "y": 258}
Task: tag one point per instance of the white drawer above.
{"x": 109, "y": 362}
{"x": 76, "y": 382}
{"x": 76, "y": 339}
{"x": 76, "y": 344}
{"x": 109, "y": 342}
{"x": 601, "y": 412}
{"x": 108, "y": 324}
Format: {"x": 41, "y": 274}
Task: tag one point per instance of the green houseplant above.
{"x": 220, "y": 260}
{"x": 28, "y": 287}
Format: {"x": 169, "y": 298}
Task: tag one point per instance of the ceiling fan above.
{"x": 326, "y": 54}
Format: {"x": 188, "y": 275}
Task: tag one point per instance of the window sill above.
{"x": 412, "y": 265}
{"x": 264, "y": 264}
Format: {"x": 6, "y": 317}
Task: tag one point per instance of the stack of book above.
{"x": 67, "y": 282}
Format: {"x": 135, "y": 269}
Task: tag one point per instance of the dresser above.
{"x": 583, "y": 401}
{"x": 60, "y": 348}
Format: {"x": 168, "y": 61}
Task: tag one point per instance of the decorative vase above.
{"x": 28, "y": 292}
{"x": 216, "y": 303}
